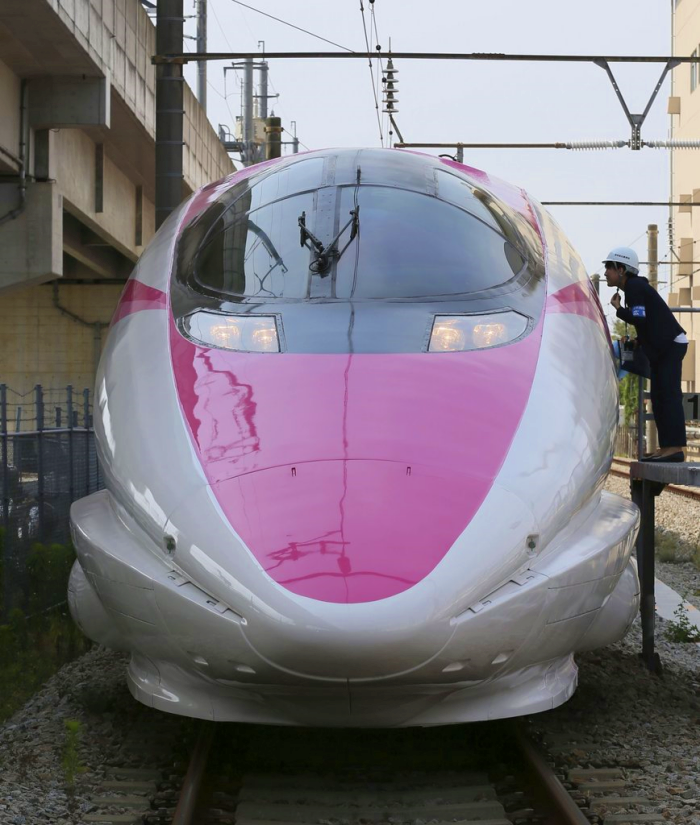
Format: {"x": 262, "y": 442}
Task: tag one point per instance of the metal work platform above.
{"x": 648, "y": 481}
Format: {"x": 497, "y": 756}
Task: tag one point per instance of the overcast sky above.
{"x": 441, "y": 101}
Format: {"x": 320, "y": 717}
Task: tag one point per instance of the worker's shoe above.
{"x": 672, "y": 458}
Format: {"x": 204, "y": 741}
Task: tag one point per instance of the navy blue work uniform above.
{"x": 657, "y": 331}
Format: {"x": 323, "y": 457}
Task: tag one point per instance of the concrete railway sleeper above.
{"x": 522, "y": 790}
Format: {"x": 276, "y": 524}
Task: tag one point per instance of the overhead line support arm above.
{"x": 537, "y": 58}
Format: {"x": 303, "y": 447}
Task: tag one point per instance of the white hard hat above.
{"x": 624, "y": 255}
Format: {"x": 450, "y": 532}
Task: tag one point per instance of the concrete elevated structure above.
{"x": 77, "y": 176}
{"x": 684, "y": 109}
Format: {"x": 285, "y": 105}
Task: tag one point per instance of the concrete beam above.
{"x": 31, "y": 244}
{"x": 75, "y": 272}
{"x": 88, "y": 249}
{"x": 65, "y": 102}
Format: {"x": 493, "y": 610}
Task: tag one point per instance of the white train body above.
{"x": 356, "y": 529}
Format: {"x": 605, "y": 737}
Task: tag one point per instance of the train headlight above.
{"x": 244, "y": 333}
{"x": 456, "y": 333}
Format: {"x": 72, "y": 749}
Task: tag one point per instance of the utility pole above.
{"x": 248, "y": 123}
{"x": 273, "y": 137}
{"x": 295, "y": 139}
{"x": 262, "y": 89}
{"x": 201, "y": 48}
{"x": 653, "y": 271}
{"x": 169, "y": 110}
{"x": 653, "y": 254}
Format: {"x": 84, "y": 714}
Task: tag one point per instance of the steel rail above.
{"x": 189, "y": 793}
{"x": 537, "y": 58}
{"x": 557, "y": 794}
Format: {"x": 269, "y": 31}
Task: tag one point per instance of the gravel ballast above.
{"x": 91, "y": 690}
{"x": 621, "y": 716}
{"x": 679, "y": 516}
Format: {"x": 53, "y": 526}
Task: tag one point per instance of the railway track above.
{"x": 620, "y": 467}
{"x": 489, "y": 774}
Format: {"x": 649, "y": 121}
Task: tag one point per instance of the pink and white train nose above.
{"x": 349, "y": 477}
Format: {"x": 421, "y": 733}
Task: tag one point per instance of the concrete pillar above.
{"x": 169, "y": 110}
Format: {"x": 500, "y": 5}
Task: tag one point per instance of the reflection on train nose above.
{"x": 350, "y": 531}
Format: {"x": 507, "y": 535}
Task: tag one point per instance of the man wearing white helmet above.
{"x": 664, "y": 343}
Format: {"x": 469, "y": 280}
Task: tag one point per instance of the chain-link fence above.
{"x": 48, "y": 460}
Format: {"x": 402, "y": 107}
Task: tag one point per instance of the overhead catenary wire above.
{"x": 225, "y": 96}
{"x": 291, "y": 25}
{"x": 216, "y": 91}
{"x": 374, "y": 40}
{"x": 301, "y": 142}
{"x": 388, "y": 119}
{"x": 371, "y": 73}
{"x": 228, "y": 43}
{"x": 221, "y": 28}
{"x": 374, "y": 37}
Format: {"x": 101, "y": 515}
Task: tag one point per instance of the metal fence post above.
{"x": 647, "y": 601}
{"x": 69, "y": 413}
{"x": 39, "y": 402}
{"x": 94, "y": 447}
{"x": 6, "y": 561}
{"x": 86, "y": 424}
{"x": 640, "y": 418}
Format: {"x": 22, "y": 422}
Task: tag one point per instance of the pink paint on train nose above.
{"x": 350, "y": 530}
{"x": 349, "y": 477}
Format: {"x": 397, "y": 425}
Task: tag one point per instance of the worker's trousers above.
{"x": 667, "y": 396}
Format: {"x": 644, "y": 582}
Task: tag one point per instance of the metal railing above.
{"x": 47, "y": 461}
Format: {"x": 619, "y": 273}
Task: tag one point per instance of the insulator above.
{"x": 672, "y": 144}
{"x": 596, "y": 144}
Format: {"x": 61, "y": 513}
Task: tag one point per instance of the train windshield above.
{"x": 403, "y": 244}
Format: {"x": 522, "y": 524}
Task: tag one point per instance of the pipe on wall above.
{"x": 96, "y": 326}
{"x": 15, "y": 213}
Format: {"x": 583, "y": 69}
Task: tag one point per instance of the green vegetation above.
{"x": 673, "y": 549}
{"x": 670, "y": 547}
{"x": 71, "y": 761}
{"x": 680, "y": 629}
{"x": 38, "y": 635}
{"x": 629, "y": 386}
{"x": 629, "y": 395}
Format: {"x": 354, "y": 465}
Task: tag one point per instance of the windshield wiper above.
{"x": 325, "y": 254}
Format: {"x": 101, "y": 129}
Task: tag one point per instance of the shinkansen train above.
{"x": 354, "y": 413}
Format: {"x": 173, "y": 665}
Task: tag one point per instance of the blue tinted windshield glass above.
{"x": 257, "y": 253}
{"x": 413, "y": 245}
{"x": 407, "y": 245}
